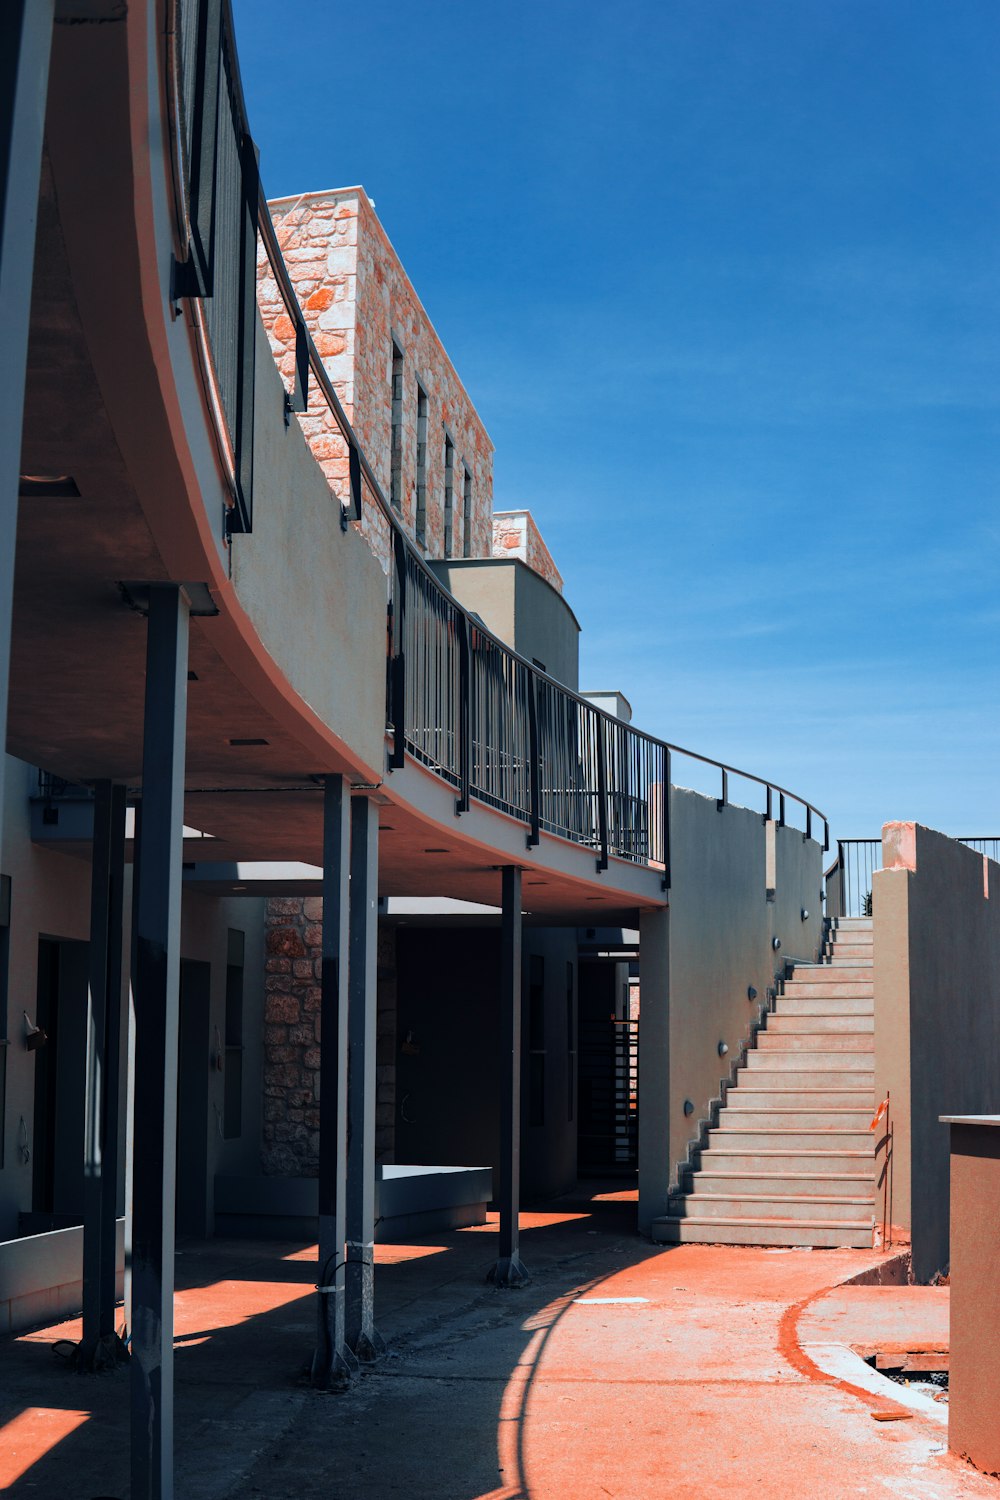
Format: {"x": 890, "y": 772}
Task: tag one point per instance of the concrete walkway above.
{"x": 623, "y": 1370}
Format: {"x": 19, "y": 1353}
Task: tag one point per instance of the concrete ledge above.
{"x": 409, "y": 1201}
{"x": 41, "y": 1277}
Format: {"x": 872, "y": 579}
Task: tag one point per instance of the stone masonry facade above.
{"x": 515, "y": 534}
{"x": 293, "y": 963}
{"x": 358, "y": 303}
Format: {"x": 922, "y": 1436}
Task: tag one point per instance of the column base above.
{"x": 333, "y": 1370}
{"x": 105, "y": 1353}
{"x": 369, "y": 1347}
{"x": 509, "y": 1272}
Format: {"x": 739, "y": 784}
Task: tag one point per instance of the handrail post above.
{"x": 769, "y": 814}
{"x": 602, "y": 792}
{"x": 665, "y": 814}
{"x": 398, "y": 670}
{"x": 354, "y": 469}
{"x": 809, "y": 822}
{"x": 464, "y": 726}
{"x": 534, "y": 789}
{"x": 781, "y": 809}
{"x": 721, "y": 803}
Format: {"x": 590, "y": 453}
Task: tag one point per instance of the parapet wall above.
{"x": 936, "y": 909}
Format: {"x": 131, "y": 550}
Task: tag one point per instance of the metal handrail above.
{"x": 857, "y": 858}
{"x": 308, "y": 362}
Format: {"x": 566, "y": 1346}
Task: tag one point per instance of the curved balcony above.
{"x": 161, "y": 397}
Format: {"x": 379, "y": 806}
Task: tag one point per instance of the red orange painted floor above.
{"x": 624, "y": 1370}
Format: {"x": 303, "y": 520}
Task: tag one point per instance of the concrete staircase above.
{"x": 792, "y": 1159}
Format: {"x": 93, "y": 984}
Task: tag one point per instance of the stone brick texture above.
{"x": 515, "y": 534}
{"x": 292, "y": 1039}
{"x": 356, "y": 298}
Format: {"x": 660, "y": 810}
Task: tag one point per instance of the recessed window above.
{"x": 449, "y": 495}
{"x": 421, "y": 519}
{"x": 232, "y": 1099}
{"x": 396, "y": 432}
{"x": 467, "y": 514}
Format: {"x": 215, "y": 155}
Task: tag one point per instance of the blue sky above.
{"x": 722, "y": 278}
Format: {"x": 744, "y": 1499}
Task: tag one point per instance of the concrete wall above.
{"x": 936, "y": 908}
{"x": 50, "y": 897}
{"x": 308, "y": 586}
{"x": 737, "y": 883}
{"x": 522, "y": 609}
{"x": 974, "y": 1352}
{"x": 516, "y": 534}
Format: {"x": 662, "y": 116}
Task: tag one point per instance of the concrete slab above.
{"x": 704, "y": 1388}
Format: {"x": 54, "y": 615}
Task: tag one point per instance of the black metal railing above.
{"x": 849, "y": 882}
{"x": 459, "y": 700}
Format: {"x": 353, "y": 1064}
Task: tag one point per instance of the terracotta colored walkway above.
{"x": 623, "y": 1370}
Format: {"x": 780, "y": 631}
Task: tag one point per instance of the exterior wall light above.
{"x": 723, "y": 1049}
{"x": 688, "y": 1107}
{"x": 751, "y": 992}
{"x": 804, "y": 914}
{"x": 775, "y": 944}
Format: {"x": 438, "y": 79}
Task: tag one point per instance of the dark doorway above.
{"x": 194, "y": 1063}
{"x": 60, "y": 1084}
{"x": 607, "y": 1141}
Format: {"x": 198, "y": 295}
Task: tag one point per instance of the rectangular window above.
{"x": 449, "y": 494}
{"x": 232, "y": 1099}
{"x": 536, "y": 1040}
{"x": 421, "y": 527}
{"x": 467, "y": 514}
{"x": 570, "y": 1043}
{"x": 396, "y": 432}
{"x": 4, "y": 978}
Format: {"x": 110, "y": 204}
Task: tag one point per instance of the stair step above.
{"x": 797, "y": 1119}
{"x": 825, "y": 1003}
{"x": 751, "y": 1206}
{"x": 850, "y": 945}
{"x": 821, "y": 1233}
{"x": 776, "y": 1060}
{"x": 854, "y": 924}
{"x": 829, "y": 974}
{"x": 721, "y": 1158}
{"x": 790, "y": 1142}
{"x": 860, "y": 1185}
{"x": 818, "y": 1077}
{"x": 818, "y": 1026}
{"x": 745, "y": 1096}
{"x": 845, "y": 1040}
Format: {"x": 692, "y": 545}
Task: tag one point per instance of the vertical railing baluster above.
{"x": 398, "y": 675}
{"x": 602, "y": 791}
{"x": 533, "y": 783}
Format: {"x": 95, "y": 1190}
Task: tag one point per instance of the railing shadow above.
{"x": 242, "y": 1385}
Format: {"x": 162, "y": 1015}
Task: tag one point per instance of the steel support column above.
{"x": 362, "y": 1337}
{"x": 156, "y": 980}
{"x": 508, "y": 1271}
{"x": 654, "y": 1067}
{"x": 100, "y": 1345}
{"x": 25, "y": 44}
{"x": 333, "y": 1361}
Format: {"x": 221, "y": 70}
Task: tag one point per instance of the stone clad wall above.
{"x": 356, "y": 297}
{"x": 292, "y": 1039}
{"x": 515, "y": 534}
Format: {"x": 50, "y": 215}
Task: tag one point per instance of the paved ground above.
{"x": 703, "y": 1385}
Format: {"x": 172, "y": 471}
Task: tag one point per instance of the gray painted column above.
{"x": 156, "y": 982}
{"x": 509, "y": 1271}
{"x": 332, "y": 1360}
{"x": 100, "y": 1345}
{"x": 362, "y": 1337}
{"x": 654, "y": 1067}
{"x": 25, "y": 43}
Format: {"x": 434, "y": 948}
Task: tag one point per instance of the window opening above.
{"x": 467, "y": 514}
{"x": 449, "y": 495}
{"x": 232, "y": 1099}
{"x": 421, "y": 524}
{"x": 396, "y": 430}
